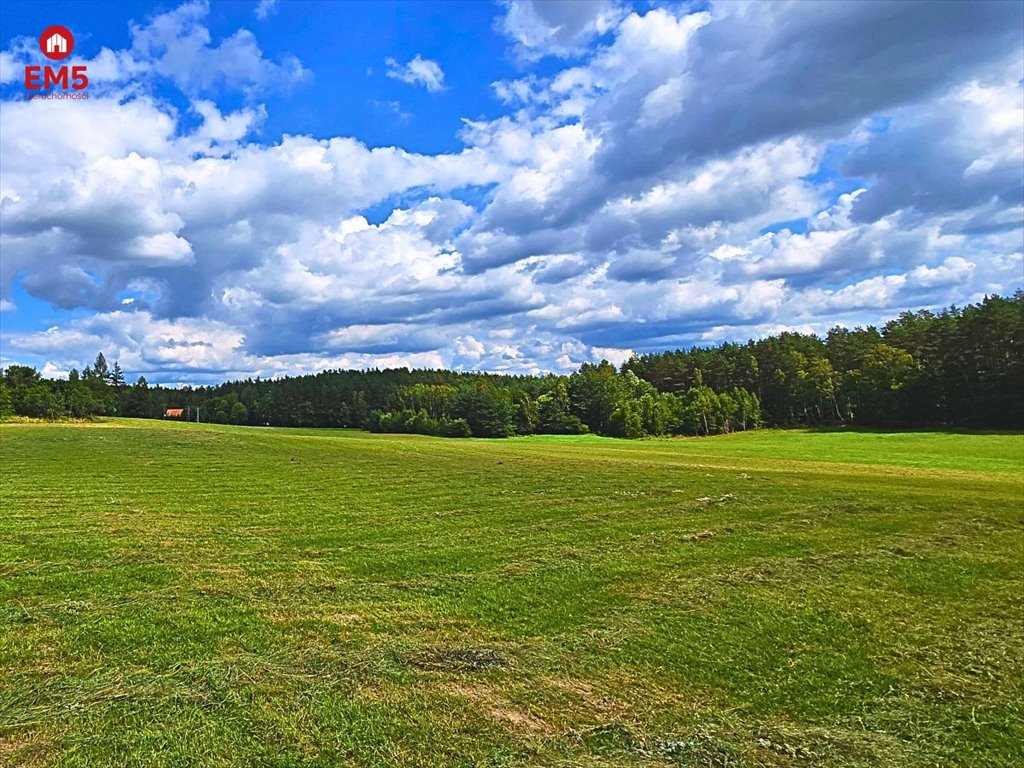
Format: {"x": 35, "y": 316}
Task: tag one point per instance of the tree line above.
{"x": 957, "y": 367}
{"x": 598, "y": 398}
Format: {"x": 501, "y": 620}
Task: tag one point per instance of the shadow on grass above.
{"x": 904, "y": 430}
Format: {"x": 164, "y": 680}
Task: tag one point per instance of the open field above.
{"x": 192, "y": 595}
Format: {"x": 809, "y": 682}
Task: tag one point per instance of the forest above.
{"x": 959, "y": 367}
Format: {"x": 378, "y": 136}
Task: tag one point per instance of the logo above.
{"x": 56, "y": 43}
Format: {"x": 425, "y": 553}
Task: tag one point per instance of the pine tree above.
{"x": 100, "y": 369}
{"x": 117, "y": 375}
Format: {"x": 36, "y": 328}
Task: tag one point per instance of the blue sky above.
{"x": 281, "y": 187}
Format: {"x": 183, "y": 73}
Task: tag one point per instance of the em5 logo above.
{"x": 56, "y": 43}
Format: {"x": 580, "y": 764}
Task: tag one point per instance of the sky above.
{"x": 273, "y": 188}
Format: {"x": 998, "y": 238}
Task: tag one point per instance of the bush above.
{"x": 454, "y": 428}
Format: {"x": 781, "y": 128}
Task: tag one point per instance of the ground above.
{"x": 195, "y": 595}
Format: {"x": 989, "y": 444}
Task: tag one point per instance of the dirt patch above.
{"x": 590, "y": 698}
{"x": 497, "y": 707}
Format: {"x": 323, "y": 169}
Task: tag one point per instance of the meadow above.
{"x": 197, "y": 595}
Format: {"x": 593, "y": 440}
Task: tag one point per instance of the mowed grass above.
{"x": 194, "y": 595}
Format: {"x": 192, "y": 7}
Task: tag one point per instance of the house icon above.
{"x": 56, "y": 43}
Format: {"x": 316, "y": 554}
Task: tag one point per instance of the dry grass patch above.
{"x": 497, "y": 706}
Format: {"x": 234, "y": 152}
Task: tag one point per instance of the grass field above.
{"x": 194, "y": 595}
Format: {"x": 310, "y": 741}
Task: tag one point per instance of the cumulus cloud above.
{"x": 962, "y": 150}
{"x": 177, "y": 47}
{"x": 417, "y": 71}
{"x": 790, "y": 68}
{"x": 557, "y": 27}
{"x": 265, "y": 8}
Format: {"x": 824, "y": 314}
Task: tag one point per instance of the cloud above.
{"x": 557, "y": 27}
{"x": 964, "y": 149}
{"x": 417, "y": 71}
{"x": 68, "y": 287}
{"x": 184, "y": 350}
{"x": 129, "y": 199}
{"x": 175, "y": 47}
{"x": 394, "y": 109}
{"x": 265, "y": 8}
{"x": 220, "y": 133}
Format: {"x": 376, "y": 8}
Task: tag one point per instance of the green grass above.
{"x": 193, "y": 595}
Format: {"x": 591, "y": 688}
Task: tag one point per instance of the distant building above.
{"x": 174, "y": 413}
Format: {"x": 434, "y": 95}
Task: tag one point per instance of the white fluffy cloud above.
{"x": 417, "y": 71}
{"x": 265, "y": 8}
{"x": 557, "y": 27}
{"x": 175, "y": 46}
